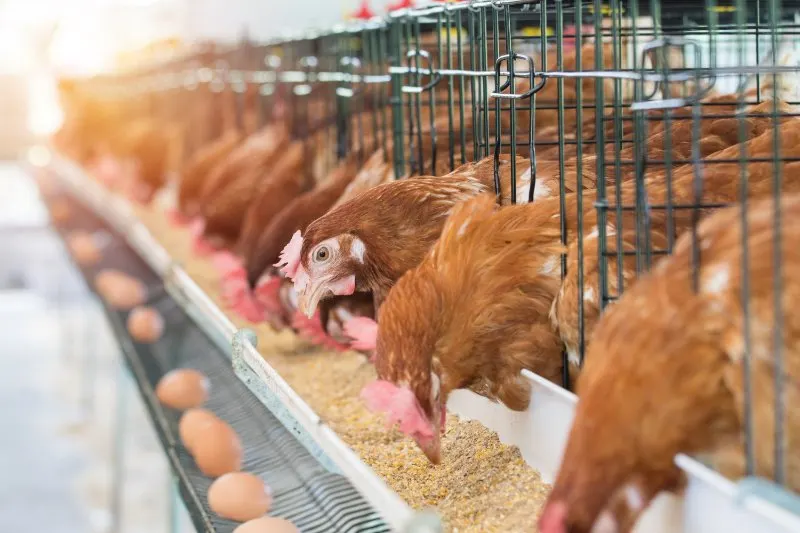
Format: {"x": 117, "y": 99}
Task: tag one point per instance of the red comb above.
{"x": 237, "y": 296}
{"x": 364, "y": 332}
{"x": 249, "y": 308}
{"x": 311, "y": 330}
{"x": 400, "y": 4}
{"x": 554, "y": 518}
{"x": 267, "y": 294}
{"x": 200, "y": 245}
{"x": 227, "y": 264}
{"x": 234, "y": 286}
{"x": 176, "y": 218}
{"x": 289, "y": 260}
{"x": 106, "y": 169}
{"x": 364, "y": 12}
{"x": 400, "y": 407}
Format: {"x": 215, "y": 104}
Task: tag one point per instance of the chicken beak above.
{"x": 308, "y": 299}
{"x": 314, "y": 290}
{"x": 431, "y": 447}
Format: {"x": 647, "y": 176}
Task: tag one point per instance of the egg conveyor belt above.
{"x": 304, "y": 490}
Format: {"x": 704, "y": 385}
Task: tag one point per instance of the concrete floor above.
{"x": 59, "y": 371}
{"x": 39, "y": 463}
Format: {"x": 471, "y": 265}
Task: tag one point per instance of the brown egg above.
{"x": 218, "y": 451}
{"x": 182, "y": 389}
{"x": 239, "y": 496}
{"x": 267, "y": 524}
{"x": 84, "y": 248}
{"x": 145, "y": 324}
{"x": 192, "y": 424}
{"x": 120, "y": 290}
{"x": 105, "y": 279}
{"x": 60, "y": 210}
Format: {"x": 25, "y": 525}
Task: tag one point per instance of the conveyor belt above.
{"x": 304, "y": 491}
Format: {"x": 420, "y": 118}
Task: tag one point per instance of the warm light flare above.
{"x": 39, "y": 156}
{"x": 44, "y": 115}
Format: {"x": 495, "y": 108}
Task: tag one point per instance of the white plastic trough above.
{"x": 714, "y": 504}
{"x": 711, "y": 503}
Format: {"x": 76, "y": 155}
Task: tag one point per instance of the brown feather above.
{"x": 663, "y": 373}
{"x": 475, "y": 310}
{"x": 396, "y": 239}
{"x": 721, "y": 185}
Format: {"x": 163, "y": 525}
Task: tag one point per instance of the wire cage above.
{"x": 649, "y": 115}
{"x": 711, "y": 124}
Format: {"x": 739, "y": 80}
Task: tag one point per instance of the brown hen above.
{"x": 199, "y": 167}
{"x": 229, "y": 190}
{"x": 472, "y": 314}
{"x": 364, "y": 246}
{"x": 721, "y": 184}
{"x": 663, "y": 373}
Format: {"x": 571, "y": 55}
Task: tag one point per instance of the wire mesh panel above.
{"x": 638, "y": 119}
{"x": 695, "y": 112}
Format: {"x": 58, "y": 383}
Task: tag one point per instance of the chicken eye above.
{"x": 322, "y": 254}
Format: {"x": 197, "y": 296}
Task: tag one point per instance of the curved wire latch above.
{"x": 435, "y": 76}
{"x": 240, "y": 339}
{"x": 498, "y": 89}
{"x": 655, "y": 57}
{"x": 309, "y": 64}
{"x": 268, "y": 78}
{"x": 350, "y": 66}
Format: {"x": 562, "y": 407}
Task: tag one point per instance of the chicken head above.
{"x": 408, "y": 369}
{"x": 402, "y": 407}
{"x": 331, "y": 264}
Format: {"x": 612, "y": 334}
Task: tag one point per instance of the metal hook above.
{"x": 650, "y": 51}
{"x": 435, "y": 76}
{"x": 308, "y": 63}
{"x": 535, "y": 87}
{"x": 353, "y": 63}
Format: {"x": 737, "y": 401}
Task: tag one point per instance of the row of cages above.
{"x": 634, "y": 119}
